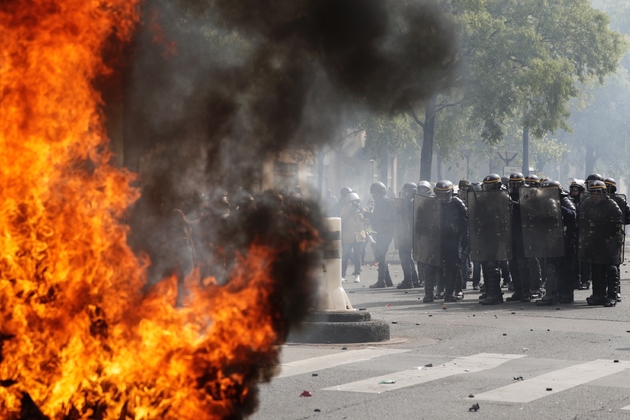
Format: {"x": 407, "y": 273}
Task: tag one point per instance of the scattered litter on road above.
{"x": 417, "y": 323}
{"x": 315, "y": 374}
{"x": 557, "y": 309}
{"x": 394, "y": 322}
{"x": 317, "y": 410}
{"x": 419, "y": 367}
{"x": 518, "y": 378}
{"x": 430, "y": 315}
{"x": 466, "y": 370}
{"x": 344, "y": 348}
{"x": 363, "y": 309}
{"x": 616, "y": 361}
{"x": 471, "y": 396}
{"x": 473, "y": 314}
{"x": 549, "y": 389}
{"x": 525, "y": 349}
{"x": 387, "y": 381}
{"x": 444, "y": 307}
{"x": 388, "y": 305}
{"x": 429, "y": 365}
{"x": 306, "y": 394}
{"x": 504, "y": 334}
{"x": 474, "y": 407}
{"x": 513, "y": 313}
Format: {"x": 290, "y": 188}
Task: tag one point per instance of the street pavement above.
{"x": 515, "y": 360}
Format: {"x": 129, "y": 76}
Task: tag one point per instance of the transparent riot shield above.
{"x": 427, "y": 230}
{"x": 400, "y": 225}
{"x": 541, "y": 222}
{"x": 489, "y": 226}
{"x": 601, "y": 236}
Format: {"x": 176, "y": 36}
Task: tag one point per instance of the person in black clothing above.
{"x": 600, "y": 211}
{"x": 453, "y": 238}
{"x": 404, "y": 236}
{"x": 382, "y": 221}
{"x": 558, "y": 271}
{"x": 519, "y": 268}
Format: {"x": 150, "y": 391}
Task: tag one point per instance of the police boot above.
{"x": 388, "y": 279}
{"x": 493, "y": 293}
{"x": 378, "y": 285}
{"x": 597, "y": 298}
{"x": 428, "y": 292}
{"x": 612, "y": 280}
{"x": 405, "y": 284}
{"x": 547, "y": 300}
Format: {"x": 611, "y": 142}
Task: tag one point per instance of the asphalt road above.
{"x": 514, "y": 360}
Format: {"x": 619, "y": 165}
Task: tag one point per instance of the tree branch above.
{"x": 441, "y": 107}
{"x": 414, "y": 116}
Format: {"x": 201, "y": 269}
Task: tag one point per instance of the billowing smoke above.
{"x": 220, "y": 83}
{"x": 216, "y": 85}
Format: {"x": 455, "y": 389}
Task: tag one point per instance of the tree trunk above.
{"x": 438, "y": 157}
{"x": 525, "y": 151}
{"x": 591, "y": 159}
{"x": 428, "y": 136}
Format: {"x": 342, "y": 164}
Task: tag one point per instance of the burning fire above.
{"x": 78, "y": 337}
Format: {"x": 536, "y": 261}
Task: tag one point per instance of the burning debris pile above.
{"x": 82, "y": 333}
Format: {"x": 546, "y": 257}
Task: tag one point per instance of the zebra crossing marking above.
{"x": 331, "y": 360}
{"x": 557, "y": 381}
{"x": 410, "y": 377}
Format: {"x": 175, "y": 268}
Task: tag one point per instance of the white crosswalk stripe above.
{"x": 554, "y": 382}
{"x": 332, "y": 360}
{"x": 525, "y": 391}
{"x": 405, "y": 378}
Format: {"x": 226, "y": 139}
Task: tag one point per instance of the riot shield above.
{"x": 401, "y": 226}
{"x": 427, "y": 228}
{"x": 541, "y": 222}
{"x": 490, "y": 226}
{"x": 601, "y": 236}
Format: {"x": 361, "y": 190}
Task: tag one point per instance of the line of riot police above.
{"x": 553, "y": 241}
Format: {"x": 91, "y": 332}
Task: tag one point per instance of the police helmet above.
{"x": 597, "y": 187}
{"x": 517, "y": 180}
{"x": 532, "y": 180}
{"x": 444, "y": 190}
{"x": 492, "y": 182}
{"x": 551, "y": 184}
{"x": 410, "y": 186}
{"x": 345, "y": 191}
{"x": 352, "y": 197}
{"x": 378, "y": 189}
{"x": 592, "y": 178}
{"x": 424, "y": 187}
{"x": 611, "y": 185}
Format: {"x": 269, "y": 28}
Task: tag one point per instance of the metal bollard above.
{"x": 332, "y": 296}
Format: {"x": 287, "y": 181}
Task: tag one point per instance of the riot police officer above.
{"x": 519, "y": 268}
{"x": 453, "y": 239}
{"x": 336, "y": 209}
{"x": 601, "y": 242}
{"x": 490, "y": 237}
{"x": 382, "y": 220}
{"x": 559, "y": 274}
{"x": 404, "y": 236}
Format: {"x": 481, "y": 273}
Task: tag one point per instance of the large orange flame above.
{"x": 76, "y": 333}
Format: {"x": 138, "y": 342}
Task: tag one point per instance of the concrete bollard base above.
{"x": 340, "y": 328}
